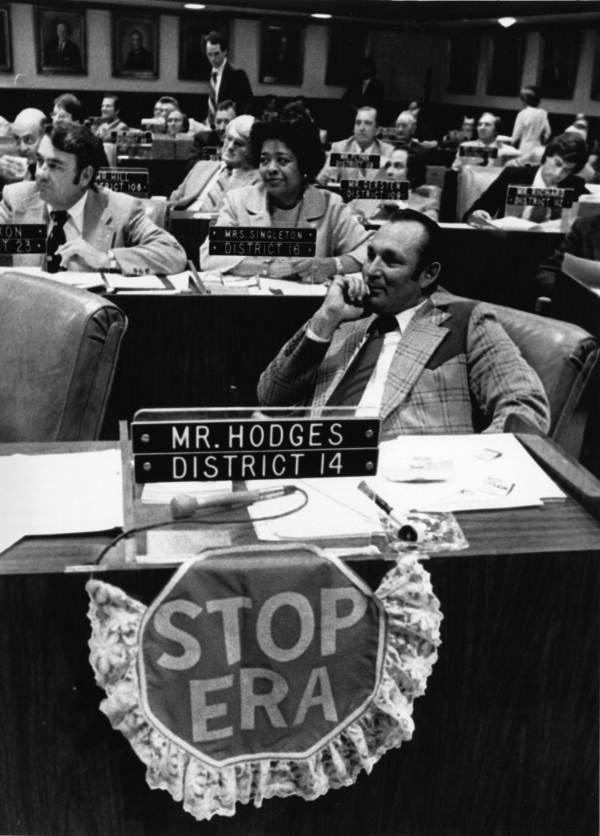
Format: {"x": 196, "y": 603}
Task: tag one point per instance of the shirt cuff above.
{"x": 312, "y": 336}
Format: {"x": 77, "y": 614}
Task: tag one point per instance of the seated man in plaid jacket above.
{"x": 427, "y": 361}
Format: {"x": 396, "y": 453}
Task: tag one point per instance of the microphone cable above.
{"x": 123, "y": 535}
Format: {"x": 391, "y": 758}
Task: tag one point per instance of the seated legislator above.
{"x": 564, "y": 156}
{"x": 90, "y": 228}
{"x": 288, "y": 156}
{"x": 422, "y": 198}
{"x": 27, "y": 130}
{"x": 205, "y": 187}
{"x": 406, "y": 128}
{"x": 582, "y": 240}
{"x": 110, "y": 120}
{"x": 487, "y": 137}
{"x": 363, "y": 141}
{"x": 426, "y": 361}
{"x": 66, "y": 109}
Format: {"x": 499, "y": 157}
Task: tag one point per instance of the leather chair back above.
{"x": 564, "y": 356}
{"x": 59, "y": 347}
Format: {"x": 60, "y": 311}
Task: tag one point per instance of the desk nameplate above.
{"x": 481, "y": 152}
{"x": 354, "y": 160}
{"x": 131, "y": 181}
{"x": 263, "y": 241}
{"x": 252, "y": 449}
{"x": 549, "y": 198}
{"x": 23, "y": 238}
{"x": 375, "y": 189}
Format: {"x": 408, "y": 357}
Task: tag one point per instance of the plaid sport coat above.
{"x": 455, "y": 370}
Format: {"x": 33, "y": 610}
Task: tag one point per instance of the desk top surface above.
{"x": 557, "y": 526}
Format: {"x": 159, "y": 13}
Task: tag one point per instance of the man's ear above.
{"x": 430, "y": 274}
{"x": 85, "y": 176}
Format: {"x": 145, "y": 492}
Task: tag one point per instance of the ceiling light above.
{"x": 507, "y": 21}
{"x": 195, "y": 6}
{"x": 321, "y": 16}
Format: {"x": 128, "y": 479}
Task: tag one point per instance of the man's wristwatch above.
{"x": 339, "y": 267}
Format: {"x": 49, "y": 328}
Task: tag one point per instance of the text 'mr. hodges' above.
{"x": 253, "y": 449}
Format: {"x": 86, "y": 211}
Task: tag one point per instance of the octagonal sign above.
{"x": 266, "y": 652}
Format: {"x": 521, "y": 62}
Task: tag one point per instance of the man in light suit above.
{"x": 363, "y": 141}
{"x": 93, "y": 229}
{"x": 445, "y": 364}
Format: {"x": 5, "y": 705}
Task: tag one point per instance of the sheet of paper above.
{"x": 336, "y": 508}
{"x": 286, "y": 288}
{"x": 584, "y": 269}
{"x": 60, "y": 494}
{"x": 145, "y": 282}
{"x": 74, "y": 278}
{"x": 460, "y": 473}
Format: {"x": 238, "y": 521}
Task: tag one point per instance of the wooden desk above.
{"x": 506, "y": 737}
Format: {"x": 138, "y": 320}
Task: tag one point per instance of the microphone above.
{"x": 185, "y": 505}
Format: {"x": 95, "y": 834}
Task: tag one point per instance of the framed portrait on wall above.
{"x": 60, "y": 41}
{"x": 193, "y": 29}
{"x": 506, "y": 64}
{"x": 595, "y": 89}
{"x": 345, "y": 39}
{"x": 135, "y": 45}
{"x": 281, "y": 53}
{"x": 462, "y": 62}
{"x": 5, "y": 43}
{"x": 560, "y": 58}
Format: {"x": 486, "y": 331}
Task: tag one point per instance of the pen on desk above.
{"x": 109, "y": 287}
{"x": 195, "y": 278}
{"x": 406, "y": 531}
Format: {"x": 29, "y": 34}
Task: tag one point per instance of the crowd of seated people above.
{"x": 242, "y": 174}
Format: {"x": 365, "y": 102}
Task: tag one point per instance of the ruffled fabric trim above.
{"x": 413, "y": 629}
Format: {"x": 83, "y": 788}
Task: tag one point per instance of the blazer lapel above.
{"x": 341, "y": 356}
{"x": 98, "y": 227}
{"x": 424, "y": 333}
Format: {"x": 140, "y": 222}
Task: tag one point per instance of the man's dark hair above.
{"x": 571, "y": 147}
{"x": 302, "y": 138}
{"x": 71, "y": 104}
{"x": 80, "y": 141}
{"x": 217, "y": 38}
{"x": 530, "y": 95}
{"x": 226, "y": 104}
{"x": 430, "y": 251}
{"x": 115, "y": 100}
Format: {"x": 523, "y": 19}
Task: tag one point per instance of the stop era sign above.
{"x": 254, "y": 654}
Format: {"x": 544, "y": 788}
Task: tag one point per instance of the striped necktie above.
{"x": 351, "y": 387}
{"x": 55, "y": 238}
{"x": 212, "y": 98}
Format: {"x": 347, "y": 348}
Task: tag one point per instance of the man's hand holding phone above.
{"x": 344, "y": 303}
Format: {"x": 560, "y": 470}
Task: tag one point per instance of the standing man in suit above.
{"x": 426, "y": 361}
{"x": 88, "y": 228}
{"x": 363, "y": 141}
{"x": 564, "y": 156}
{"x": 367, "y": 91}
{"x": 225, "y": 81}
